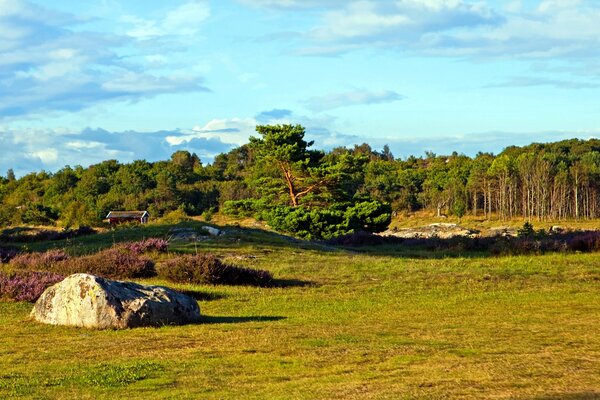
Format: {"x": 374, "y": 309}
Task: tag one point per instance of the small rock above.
{"x": 213, "y": 231}
{"x": 93, "y": 302}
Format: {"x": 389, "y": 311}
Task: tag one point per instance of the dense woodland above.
{"x": 278, "y": 173}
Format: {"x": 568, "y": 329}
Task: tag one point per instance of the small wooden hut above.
{"x": 118, "y": 217}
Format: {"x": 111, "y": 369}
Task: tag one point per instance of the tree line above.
{"x": 279, "y": 172}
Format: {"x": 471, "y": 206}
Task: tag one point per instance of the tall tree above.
{"x": 10, "y": 175}
{"x": 284, "y": 146}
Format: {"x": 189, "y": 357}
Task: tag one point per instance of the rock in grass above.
{"x": 92, "y": 302}
{"x": 213, "y": 231}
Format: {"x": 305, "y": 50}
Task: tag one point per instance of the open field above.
{"x": 340, "y": 325}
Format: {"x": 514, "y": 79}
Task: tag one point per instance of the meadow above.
{"x": 338, "y": 324}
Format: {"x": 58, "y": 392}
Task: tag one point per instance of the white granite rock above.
{"x": 93, "y": 302}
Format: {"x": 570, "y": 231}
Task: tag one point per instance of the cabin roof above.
{"x": 127, "y": 214}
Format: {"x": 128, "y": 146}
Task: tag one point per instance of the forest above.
{"x": 280, "y": 178}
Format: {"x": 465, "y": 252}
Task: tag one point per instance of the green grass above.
{"x": 345, "y": 325}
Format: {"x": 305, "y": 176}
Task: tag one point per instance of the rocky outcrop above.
{"x": 438, "y": 230}
{"x": 504, "y": 231}
{"x": 93, "y": 302}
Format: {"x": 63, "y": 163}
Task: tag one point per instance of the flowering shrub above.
{"x": 39, "y": 261}
{"x": 7, "y": 253}
{"x": 206, "y": 268}
{"x": 26, "y": 286}
{"x": 147, "y": 245}
{"x": 115, "y": 262}
{"x": 586, "y": 241}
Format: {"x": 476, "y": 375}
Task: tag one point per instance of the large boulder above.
{"x": 93, "y": 302}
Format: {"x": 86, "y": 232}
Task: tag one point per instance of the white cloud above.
{"x": 185, "y": 20}
{"x": 48, "y": 156}
{"x": 552, "y": 29}
{"x": 48, "y": 149}
{"x": 525, "y": 81}
{"x": 556, "y": 5}
{"x": 359, "y": 19}
{"x": 292, "y": 4}
{"x": 351, "y": 98}
{"x": 235, "y": 131}
{"x": 399, "y": 22}
{"x": 132, "y": 83}
{"x": 51, "y": 65}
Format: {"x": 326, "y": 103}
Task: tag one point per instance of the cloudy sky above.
{"x": 84, "y": 81}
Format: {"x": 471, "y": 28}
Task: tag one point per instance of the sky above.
{"x": 86, "y": 81}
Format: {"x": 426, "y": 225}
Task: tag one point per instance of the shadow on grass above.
{"x": 202, "y": 296}
{"x": 569, "y": 396}
{"x": 288, "y": 283}
{"x": 212, "y": 319}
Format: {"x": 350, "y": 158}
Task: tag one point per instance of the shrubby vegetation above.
{"x": 26, "y": 286}
{"x": 322, "y": 193}
{"x": 117, "y": 262}
{"x": 45, "y": 261}
{"x": 146, "y": 245}
{"x": 7, "y": 254}
{"x": 127, "y": 261}
{"x": 207, "y": 269}
{"x": 527, "y": 242}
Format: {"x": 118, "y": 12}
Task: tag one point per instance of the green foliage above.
{"x": 10, "y": 175}
{"x": 541, "y": 181}
{"x": 208, "y": 214}
{"x": 307, "y": 224}
{"x": 175, "y": 216}
{"x": 526, "y": 231}
{"x": 370, "y": 216}
{"x": 244, "y": 208}
{"x": 459, "y": 207}
{"x": 325, "y": 223}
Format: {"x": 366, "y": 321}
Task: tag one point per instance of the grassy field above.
{"x": 340, "y": 325}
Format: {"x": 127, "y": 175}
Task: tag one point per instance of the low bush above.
{"x": 26, "y": 286}
{"x": 208, "y": 269}
{"x": 526, "y": 231}
{"x": 530, "y": 243}
{"x": 39, "y": 261}
{"x": 115, "y": 263}
{"x": 175, "y": 216}
{"x": 584, "y": 241}
{"x": 145, "y": 246}
{"x": 327, "y": 223}
{"x": 7, "y": 254}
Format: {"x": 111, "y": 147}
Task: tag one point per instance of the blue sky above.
{"x": 81, "y": 82}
